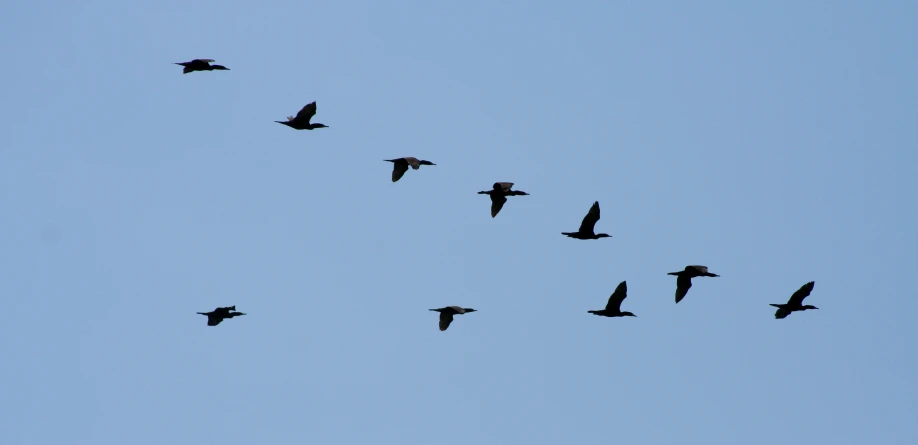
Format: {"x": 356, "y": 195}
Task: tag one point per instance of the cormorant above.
{"x": 613, "y": 307}
{"x": 400, "y": 166}
{"x": 796, "y": 301}
{"x": 499, "y": 195}
{"x": 217, "y": 315}
{"x": 200, "y": 65}
{"x": 586, "y": 226}
{"x": 301, "y": 120}
{"x": 446, "y": 314}
{"x": 684, "y": 279}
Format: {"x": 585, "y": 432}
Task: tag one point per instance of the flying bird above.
{"x": 613, "y": 307}
{"x": 586, "y": 226}
{"x": 217, "y": 315}
{"x": 446, "y": 314}
{"x": 796, "y": 301}
{"x": 499, "y": 195}
{"x": 400, "y": 166}
{"x": 684, "y": 279}
{"x": 200, "y": 65}
{"x": 301, "y": 120}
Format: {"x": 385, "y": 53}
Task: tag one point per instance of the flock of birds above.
{"x": 498, "y": 194}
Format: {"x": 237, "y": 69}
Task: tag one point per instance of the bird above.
{"x": 586, "y": 226}
{"x": 217, "y": 315}
{"x": 684, "y": 279}
{"x": 301, "y": 120}
{"x": 446, "y": 314}
{"x": 200, "y": 65}
{"x": 400, "y": 166}
{"x": 613, "y": 307}
{"x": 796, "y": 301}
{"x": 499, "y": 195}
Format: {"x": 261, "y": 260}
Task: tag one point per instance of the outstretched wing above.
{"x": 782, "y": 312}
{"x": 213, "y": 320}
{"x": 307, "y": 112}
{"x": 615, "y": 300}
{"x": 445, "y": 319}
{"x": 683, "y": 284}
{"x": 398, "y": 170}
{"x": 803, "y": 292}
{"x": 497, "y": 203}
{"x": 505, "y": 186}
{"x": 589, "y": 221}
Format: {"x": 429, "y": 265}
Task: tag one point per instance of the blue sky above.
{"x": 774, "y": 142}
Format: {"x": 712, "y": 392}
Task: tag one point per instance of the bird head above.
{"x": 603, "y": 235}
{"x": 810, "y": 307}
{"x": 468, "y": 309}
{"x": 426, "y": 163}
{"x": 319, "y": 126}
{"x": 628, "y": 314}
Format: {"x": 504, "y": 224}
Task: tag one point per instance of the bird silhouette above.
{"x": 684, "y": 279}
{"x": 795, "y": 303}
{"x": 400, "y": 166}
{"x": 217, "y": 315}
{"x": 446, "y": 314}
{"x": 301, "y": 120}
{"x": 613, "y": 306}
{"x": 587, "y": 225}
{"x": 499, "y": 194}
{"x": 200, "y": 65}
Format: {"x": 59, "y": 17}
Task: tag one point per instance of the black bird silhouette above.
{"x": 684, "y": 279}
{"x": 217, "y": 315}
{"x": 200, "y": 65}
{"x": 499, "y": 195}
{"x": 613, "y": 307}
{"x": 796, "y": 301}
{"x": 400, "y": 166}
{"x": 587, "y": 225}
{"x": 446, "y": 314}
{"x": 301, "y": 120}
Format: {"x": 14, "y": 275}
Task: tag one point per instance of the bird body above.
{"x": 302, "y": 119}
{"x": 795, "y": 303}
{"x": 400, "y": 166}
{"x": 217, "y": 315}
{"x": 684, "y": 279}
{"x": 586, "y": 226}
{"x": 499, "y": 194}
{"x": 200, "y": 65}
{"x": 446, "y": 314}
{"x": 613, "y": 306}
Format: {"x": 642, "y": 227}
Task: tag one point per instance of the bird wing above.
{"x": 307, "y": 112}
{"x": 803, "y": 292}
{"x": 497, "y": 203}
{"x": 505, "y": 186}
{"x": 615, "y": 300}
{"x": 683, "y": 284}
{"x": 589, "y": 221}
{"x": 213, "y": 320}
{"x": 782, "y": 312}
{"x": 398, "y": 169}
{"x": 204, "y": 60}
{"x": 445, "y": 319}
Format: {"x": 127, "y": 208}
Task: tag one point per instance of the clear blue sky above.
{"x": 773, "y": 141}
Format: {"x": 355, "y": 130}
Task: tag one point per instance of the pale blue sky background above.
{"x": 774, "y": 141}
